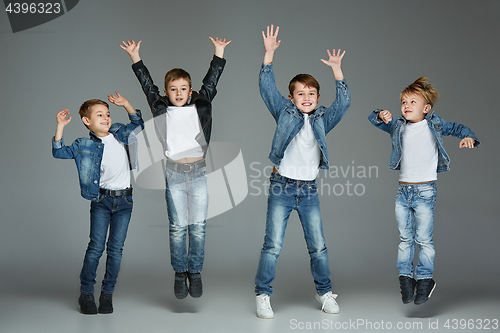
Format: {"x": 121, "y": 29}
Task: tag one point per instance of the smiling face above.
{"x": 414, "y": 108}
{"x": 304, "y": 97}
{"x": 178, "y": 91}
{"x": 99, "y": 120}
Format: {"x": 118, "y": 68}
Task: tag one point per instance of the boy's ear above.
{"x": 86, "y": 120}
{"x": 290, "y": 97}
{"x": 427, "y": 108}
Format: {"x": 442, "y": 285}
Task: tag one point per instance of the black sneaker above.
{"x": 407, "y": 285}
{"x": 87, "y": 304}
{"x": 105, "y": 303}
{"x": 180, "y": 285}
{"x": 425, "y": 287}
{"x": 195, "y": 285}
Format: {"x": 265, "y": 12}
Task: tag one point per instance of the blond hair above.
{"x": 422, "y": 88}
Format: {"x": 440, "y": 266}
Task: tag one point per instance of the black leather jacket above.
{"x": 202, "y": 99}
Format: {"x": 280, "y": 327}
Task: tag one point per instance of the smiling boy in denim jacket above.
{"x": 103, "y": 162}
{"x": 418, "y": 152}
{"x": 298, "y": 152}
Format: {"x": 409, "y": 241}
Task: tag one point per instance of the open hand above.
{"x": 63, "y": 118}
{"x": 118, "y": 100}
{"x": 220, "y": 44}
{"x": 334, "y": 60}
{"x": 132, "y": 49}
{"x": 270, "y": 43}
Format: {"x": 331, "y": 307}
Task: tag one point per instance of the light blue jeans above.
{"x": 187, "y": 206}
{"x": 415, "y": 216}
{"x": 285, "y": 195}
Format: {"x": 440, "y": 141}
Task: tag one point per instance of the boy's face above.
{"x": 178, "y": 92}
{"x": 414, "y": 107}
{"x": 305, "y": 98}
{"x": 99, "y": 120}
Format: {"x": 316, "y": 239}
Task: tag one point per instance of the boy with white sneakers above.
{"x": 298, "y": 152}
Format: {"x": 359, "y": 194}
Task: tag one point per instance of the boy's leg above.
{"x": 176, "y": 198}
{"x": 100, "y": 214}
{"x": 120, "y": 219}
{"x": 281, "y": 202}
{"x": 424, "y": 205}
{"x": 197, "y": 192}
{"x": 406, "y": 226}
{"x": 310, "y": 217}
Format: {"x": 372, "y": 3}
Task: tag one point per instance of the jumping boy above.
{"x": 418, "y": 152}
{"x": 183, "y": 124}
{"x": 298, "y": 152}
{"x": 104, "y": 162}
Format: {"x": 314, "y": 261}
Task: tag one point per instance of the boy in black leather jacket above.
{"x": 183, "y": 124}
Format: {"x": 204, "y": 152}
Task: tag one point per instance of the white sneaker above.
{"x": 264, "y": 309}
{"x": 329, "y": 303}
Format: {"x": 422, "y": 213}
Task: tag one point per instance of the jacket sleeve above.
{"x": 148, "y": 87}
{"x": 60, "y": 150}
{"x": 457, "y": 130}
{"x": 342, "y": 102}
{"x": 374, "y": 119}
{"x": 274, "y": 101}
{"x": 208, "y": 89}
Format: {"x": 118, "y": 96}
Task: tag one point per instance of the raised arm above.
{"x": 63, "y": 118}
{"x": 270, "y": 43}
{"x": 220, "y": 44}
{"x": 334, "y": 61}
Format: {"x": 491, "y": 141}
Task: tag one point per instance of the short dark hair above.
{"x": 306, "y": 79}
{"x": 175, "y": 74}
{"x": 85, "y": 108}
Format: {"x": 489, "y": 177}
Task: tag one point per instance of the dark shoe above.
{"x": 105, "y": 303}
{"x": 425, "y": 287}
{"x": 87, "y": 304}
{"x": 407, "y": 285}
{"x": 195, "y": 285}
{"x": 180, "y": 285}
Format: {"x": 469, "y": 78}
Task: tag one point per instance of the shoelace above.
{"x": 329, "y": 297}
{"x": 264, "y": 302}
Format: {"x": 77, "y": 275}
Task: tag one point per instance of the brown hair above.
{"x": 422, "y": 88}
{"x": 85, "y": 108}
{"x": 175, "y": 74}
{"x": 305, "y": 79}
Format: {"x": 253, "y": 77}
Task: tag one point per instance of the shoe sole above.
{"x": 265, "y": 317}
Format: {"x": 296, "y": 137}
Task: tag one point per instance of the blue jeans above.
{"x": 187, "y": 206}
{"x": 285, "y": 195}
{"x": 415, "y": 216}
{"x": 111, "y": 213}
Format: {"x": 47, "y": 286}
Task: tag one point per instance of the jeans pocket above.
{"x": 128, "y": 199}
{"x": 426, "y": 193}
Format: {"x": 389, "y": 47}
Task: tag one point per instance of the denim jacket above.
{"x": 438, "y": 127}
{"x": 87, "y": 153}
{"x": 290, "y": 119}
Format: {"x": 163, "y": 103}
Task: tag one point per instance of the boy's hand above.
{"x": 270, "y": 43}
{"x": 132, "y": 49}
{"x": 220, "y": 45}
{"x": 334, "y": 61}
{"x": 467, "y": 143}
{"x": 121, "y": 101}
{"x": 385, "y": 116}
{"x": 63, "y": 118}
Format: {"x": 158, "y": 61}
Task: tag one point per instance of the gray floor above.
{"x": 144, "y": 302}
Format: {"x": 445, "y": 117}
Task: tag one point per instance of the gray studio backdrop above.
{"x": 58, "y": 65}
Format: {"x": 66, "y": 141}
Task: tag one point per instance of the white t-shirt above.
{"x": 115, "y": 168}
{"x": 301, "y": 158}
{"x": 183, "y": 126}
{"x": 419, "y": 153}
